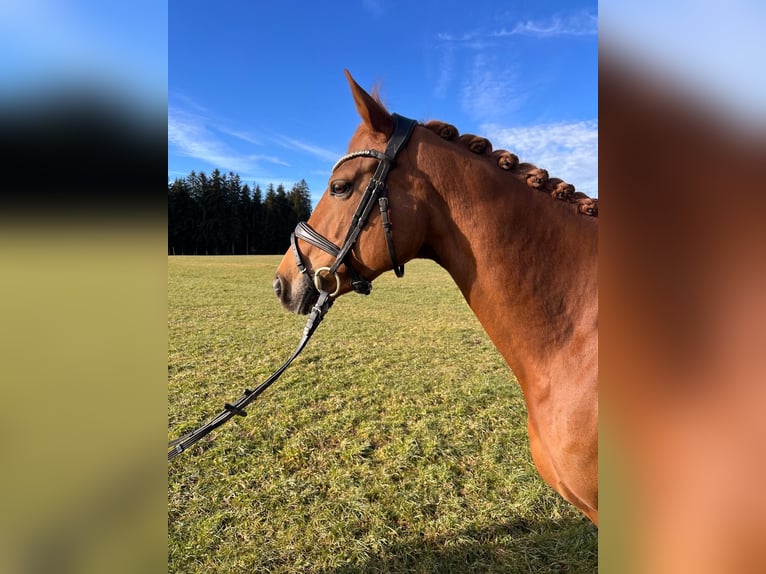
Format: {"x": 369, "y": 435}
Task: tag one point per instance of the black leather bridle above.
{"x": 376, "y": 190}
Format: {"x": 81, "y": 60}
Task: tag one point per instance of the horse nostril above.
{"x": 277, "y": 286}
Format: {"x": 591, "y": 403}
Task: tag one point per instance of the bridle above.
{"x": 375, "y": 190}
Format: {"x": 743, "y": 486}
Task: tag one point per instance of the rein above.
{"x": 376, "y": 189}
{"x": 180, "y": 444}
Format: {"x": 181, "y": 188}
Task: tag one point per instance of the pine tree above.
{"x": 216, "y": 214}
{"x": 180, "y": 218}
{"x": 244, "y": 210}
{"x": 300, "y": 200}
{"x": 231, "y": 220}
{"x": 271, "y": 219}
{"x": 256, "y": 221}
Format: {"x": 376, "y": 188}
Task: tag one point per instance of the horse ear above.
{"x": 372, "y": 112}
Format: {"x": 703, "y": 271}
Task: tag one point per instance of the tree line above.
{"x": 218, "y": 215}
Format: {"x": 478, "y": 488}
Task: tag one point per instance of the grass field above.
{"x": 396, "y": 443}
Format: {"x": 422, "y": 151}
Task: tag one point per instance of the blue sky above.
{"x": 258, "y": 87}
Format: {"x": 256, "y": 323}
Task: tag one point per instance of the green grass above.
{"x": 395, "y": 443}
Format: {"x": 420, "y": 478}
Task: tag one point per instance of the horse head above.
{"x": 368, "y": 189}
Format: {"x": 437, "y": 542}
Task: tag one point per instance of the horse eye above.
{"x": 341, "y": 188}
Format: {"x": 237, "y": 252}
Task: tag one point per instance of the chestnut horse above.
{"x": 524, "y": 261}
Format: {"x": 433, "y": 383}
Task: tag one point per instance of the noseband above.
{"x": 376, "y": 190}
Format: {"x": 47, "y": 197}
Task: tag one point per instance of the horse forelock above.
{"x": 375, "y": 92}
{"x": 534, "y": 177}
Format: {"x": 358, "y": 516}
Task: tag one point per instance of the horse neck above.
{"x": 525, "y": 263}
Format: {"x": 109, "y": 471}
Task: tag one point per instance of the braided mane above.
{"x": 536, "y": 178}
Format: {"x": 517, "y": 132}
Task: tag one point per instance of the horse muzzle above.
{"x": 298, "y": 297}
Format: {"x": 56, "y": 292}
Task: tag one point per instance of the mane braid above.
{"x": 534, "y": 177}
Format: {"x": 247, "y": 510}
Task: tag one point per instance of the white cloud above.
{"x": 194, "y": 132}
{"x": 294, "y": 144}
{"x": 244, "y": 136}
{"x": 581, "y": 24}
{"x": 568, "y": 150}
{"x": 490, "y": 84}
{"x": 189, "y": 134}
{"x": 445, "y": 71}
{"x": 268, "y": 158}
{"x": 195, "y": 135}
{"x": 489, "y": 90}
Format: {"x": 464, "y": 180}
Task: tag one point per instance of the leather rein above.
{"x": 375, "y": 191}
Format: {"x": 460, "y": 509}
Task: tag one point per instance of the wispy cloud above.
{"x": 445, "y": 70}
{"x": 568, "y": 150}
{"x": 490, "y": 80}
{"x": 294, "y": 144}
{"x": 490, "y": 90}
{"x": 581, "y": 24}
{"x": 258, "y": 157}
{"x": 196, "y": 132}
{"x": 447, "y": 37}
{"x": 187, "y": 102}
{"x": 198, "y": 136}
{"x": 188, "y": 133}
{"x": 244, "y": 136}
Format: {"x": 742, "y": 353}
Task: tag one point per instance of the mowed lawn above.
{"x": 395, "y": 443}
